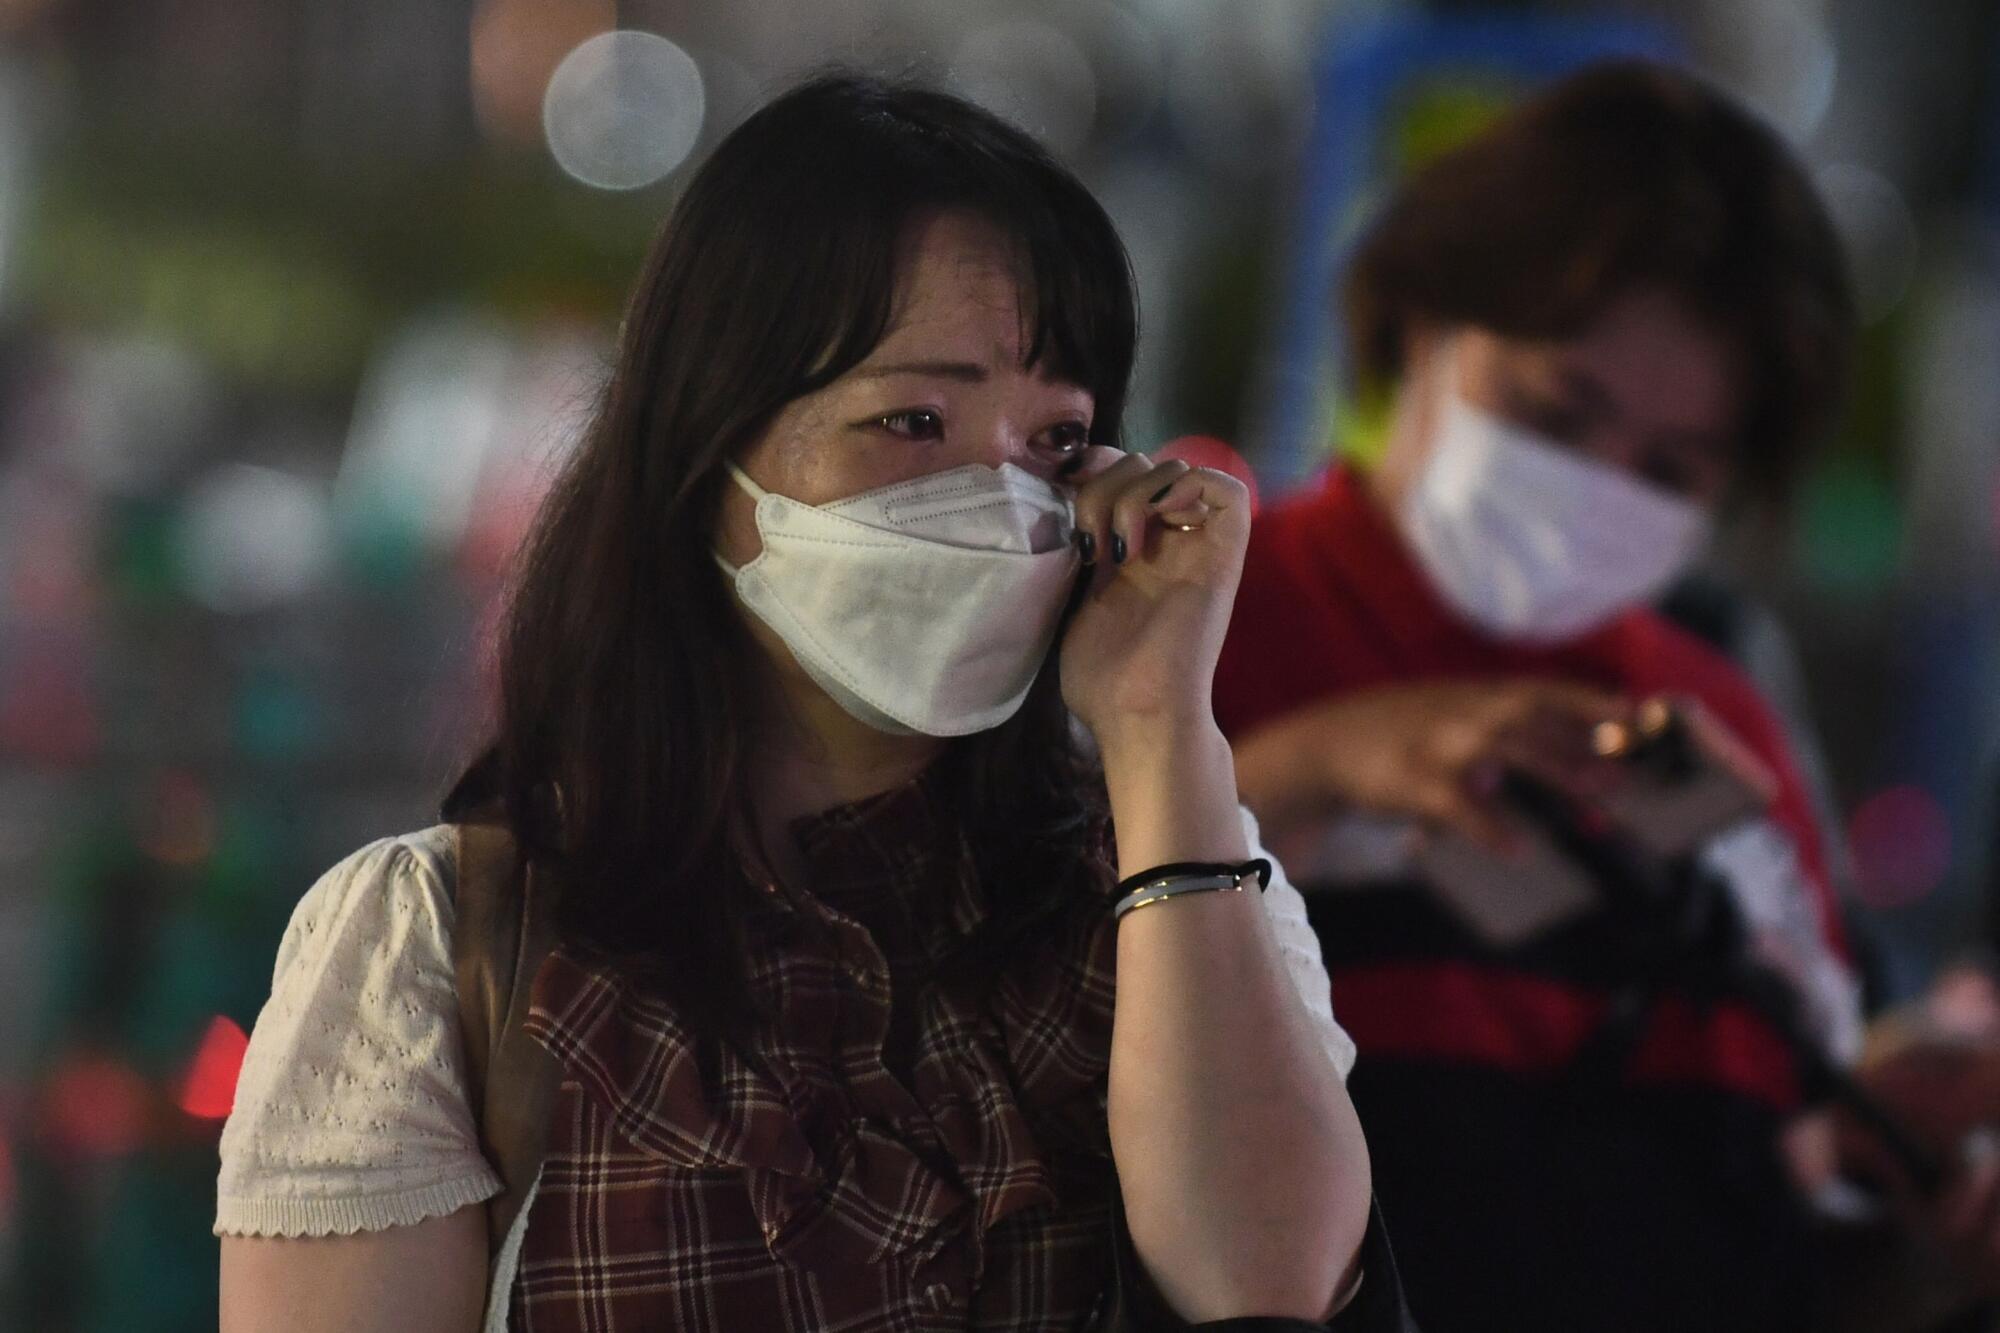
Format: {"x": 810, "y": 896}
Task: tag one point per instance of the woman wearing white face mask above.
{"x": 829, "y": 1028}
{"x": 1599, "y": 320}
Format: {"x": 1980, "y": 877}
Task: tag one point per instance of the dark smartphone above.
{"x": 1687, "y": 779}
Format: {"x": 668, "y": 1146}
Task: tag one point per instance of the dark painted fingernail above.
{"x": 1069, "y": 469}
{"x": 1117, "y": 548}
{"x": 1161, "y": 494}
{"x": 1087, "y": 544}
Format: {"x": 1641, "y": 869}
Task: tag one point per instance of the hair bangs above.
{"x": 1073, "y": 277}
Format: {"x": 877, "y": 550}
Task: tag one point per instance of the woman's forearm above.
{"x": 1243, "y": 1167}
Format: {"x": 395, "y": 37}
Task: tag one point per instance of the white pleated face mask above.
{"x": 926, "y": 607}
{"x": 1532, "y": 541}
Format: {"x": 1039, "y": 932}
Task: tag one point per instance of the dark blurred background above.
{"x": 300, "y": 302}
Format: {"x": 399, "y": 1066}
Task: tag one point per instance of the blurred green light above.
{"x": 1441, "y": 115}
{"x": 381, "y": 547}
{"x": 142, "y": 563}
{"x": 276, "y": 717}
{"x": 1850, "y": 532}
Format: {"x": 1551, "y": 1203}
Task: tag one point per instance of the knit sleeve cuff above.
{"x": 345, "y": 1216}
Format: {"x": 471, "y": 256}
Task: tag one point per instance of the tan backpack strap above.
{"x": 503, "y": 930}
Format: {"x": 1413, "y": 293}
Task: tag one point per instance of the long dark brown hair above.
{"x": 627, "y": 679}
{"x": 1621, "y": 176}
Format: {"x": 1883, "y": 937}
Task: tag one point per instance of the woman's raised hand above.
{"x": 1165, "y": 544}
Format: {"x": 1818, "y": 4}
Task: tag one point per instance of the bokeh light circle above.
{"x": 1901, "y": 841}
{"x": 254, "y": 537}
{"x": 623, "y": 109}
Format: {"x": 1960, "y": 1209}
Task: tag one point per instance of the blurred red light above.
{"x": 503, "y": 511}
{"x": 46, "y": 711}
{"x": 56, "y": 583}
{"x": 208, "y": 1090}
{"x": 182, "y": 826}
{"x": 1901, "y": 839}
{"x": 95, "y": 1106}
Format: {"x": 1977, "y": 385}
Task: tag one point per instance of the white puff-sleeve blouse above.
{"x": 351, "y": 1111}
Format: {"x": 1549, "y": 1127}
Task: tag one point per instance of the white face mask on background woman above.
{"x": 926, "y": 607}
{"x": 1532, "y": 541}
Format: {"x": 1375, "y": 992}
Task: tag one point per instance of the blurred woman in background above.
{"x": 1601, "y": 323}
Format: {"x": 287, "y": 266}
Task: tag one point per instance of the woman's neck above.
{"x": 819, "y": 756}
{"x": 812, "y": 755}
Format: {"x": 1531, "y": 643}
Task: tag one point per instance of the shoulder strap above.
{"x": 502, "y": 932}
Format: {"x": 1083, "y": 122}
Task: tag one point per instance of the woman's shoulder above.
{"x": 351, "y": 1111}
{"x": 420, "y": 864}
{"x": 394, "y": 890}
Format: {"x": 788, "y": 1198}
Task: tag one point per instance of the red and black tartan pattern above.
{"x": 830, "y": 1174}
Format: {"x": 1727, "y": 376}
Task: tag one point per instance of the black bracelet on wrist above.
{"x": 1258, "y": 867}
{"x": 1179, "y": 877}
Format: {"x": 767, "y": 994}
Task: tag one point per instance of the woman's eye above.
{"x": 919, "y": 423}
{"x": 1069, "y": 437}
{"x": 1545, "y": 414}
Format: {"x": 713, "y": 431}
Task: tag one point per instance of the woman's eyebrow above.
{"x": 969, "y": 371}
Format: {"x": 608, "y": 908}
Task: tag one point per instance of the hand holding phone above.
{"x": 1683, "y": 779}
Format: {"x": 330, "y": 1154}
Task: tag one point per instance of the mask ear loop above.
{"x": 742, "y": 479}
{"x": 756, "y": 493}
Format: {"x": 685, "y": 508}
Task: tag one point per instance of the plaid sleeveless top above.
{"x": 886, "y": 1153}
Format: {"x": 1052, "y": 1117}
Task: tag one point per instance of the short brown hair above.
{"x": 1623, "y": 175}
